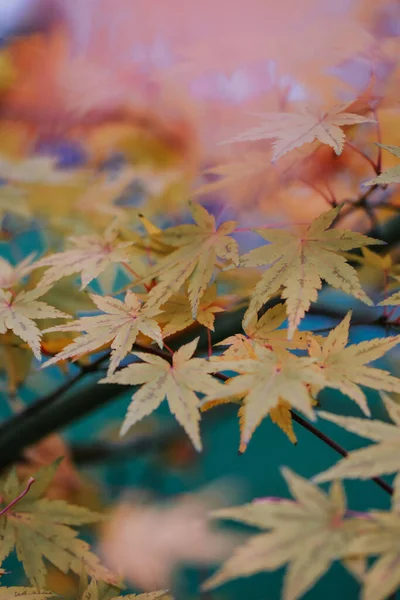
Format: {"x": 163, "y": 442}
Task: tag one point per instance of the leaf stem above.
{"x": 365, "y": 156}
{"x": 24, "y": 492}
{"x": 328, "y": 198}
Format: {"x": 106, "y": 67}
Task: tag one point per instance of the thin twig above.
{"x": 335, "y": 446}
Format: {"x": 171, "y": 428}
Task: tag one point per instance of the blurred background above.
{"x": 102, "y": 86}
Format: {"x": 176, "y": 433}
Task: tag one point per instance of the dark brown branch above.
{"x": 104, "y": 450}
{"x": 42, "y": 403}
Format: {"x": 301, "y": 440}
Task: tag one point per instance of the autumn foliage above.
{"x": 176, "y": 205}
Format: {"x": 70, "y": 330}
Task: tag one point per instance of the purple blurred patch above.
{"x": 69, "y": 154}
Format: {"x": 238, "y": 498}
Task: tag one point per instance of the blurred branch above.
{"x": 105, "y": 450}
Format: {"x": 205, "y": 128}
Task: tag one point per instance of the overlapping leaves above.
{"x": 40, "y": 529}
{"x": 300, "y": 263}
{"x": 198, "y": 247}
{"x": 264, "y": 379}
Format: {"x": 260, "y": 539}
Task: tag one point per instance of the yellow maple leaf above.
{"x": 345, "y": 367}
{"x": 198, "y": 247}
{"x": 90, "y": 257}
{"x": 239, "y": 346}
{"x": 264, "y": 381}
{"x": 379, "y": 459}
{"x": 298, "y": 263}
{"x": 245, "y": 177}
{"x": 308, "y": 533}
{"x": 392, "y": 175}
{"x": 265, "y": 330}
{"x": 177, "y": 313}
{"x": 99, "y": 591}
{"x": 119, "y": 324}
{"x": 293, "y": 130}
{"x": 177, "y": 382}
{"x": 18, "y": 314}
{"x": 15, "y": 361}
{"x": 39, "y": 528}
{"x": 102, "y": 191}
{"x": 379, "y": 536}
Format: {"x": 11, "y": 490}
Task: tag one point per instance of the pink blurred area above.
{"x": 194, "y": 71}
{"x": 213, "y": 49}
{"x": 212, "y": 60}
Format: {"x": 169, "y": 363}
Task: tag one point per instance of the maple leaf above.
{"x": 177, "y": 313}
{"x": 177, "y": 382}
{"x": 11, "y": 275}
{"x": 119, "y": 324}
{"x": 299, "y": 263}
{"x": 41, "y": 529}
{"x": 263, "y": 381}
{"x": 19, "y": 313}
{"x": 345, "y": 367}
{"x": 293, "y": 130}
{"x": 198, "y": 247}
{"x": 381, "y": 458}
{"x": 98, "y": 591}
{"x": 245, "y": 177}
{"x": 23, "y": 592}
{"x": 15, "y": 361}
{"x": 379, "y": 536}
{"x": 265, "y": 330}
{"x": 391, "y": 175}
{"x": 99, "y": 197}
{"x": 308, "y": 534}
{"x": 90, "y": 257}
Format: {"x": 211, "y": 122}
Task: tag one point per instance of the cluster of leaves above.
{"x": 178, "y": 281}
